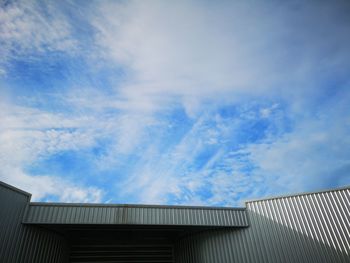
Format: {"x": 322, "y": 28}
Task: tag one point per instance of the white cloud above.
{"x": 47, "y": 186}
{"x": 304, "y": 160}
{"x": 205, "y": 56}
{"x": 195, "y": 51}
{"x": 28, "y": 135}
{"x": 166, "y": 174}
{"x": 159, "y": 172}
{"x": 192, "y": 56}
{"x": 27, "y": 27}
{"x": 30, "y": 132}
{"x": 266, "y": 112}
{"x": 315, "y": 155}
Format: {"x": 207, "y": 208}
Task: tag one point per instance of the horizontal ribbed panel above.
{"x": 20, "y": 243}
{"x": 306, "y": 228}
{"x": 121, "y": 253}
{"x": 138, "y": 215}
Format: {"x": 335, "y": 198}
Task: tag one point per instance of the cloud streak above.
{"x": 30, "y": 28}
{"x": 193, "y": 52}
{"x": 186, "y": 102}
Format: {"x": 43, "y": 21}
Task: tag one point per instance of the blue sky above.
{"x": 174, "y": 102}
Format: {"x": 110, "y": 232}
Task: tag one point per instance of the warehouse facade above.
{"x": 313, "y": 227}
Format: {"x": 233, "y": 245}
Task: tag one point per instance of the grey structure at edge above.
{"x": 312, "y": 227}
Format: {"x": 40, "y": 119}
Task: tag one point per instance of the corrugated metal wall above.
{"x": 41, "y": 213}
{"x": 20, "y": 243}
{"x": 122, "y": 254}
{"x": 305, "y": 228}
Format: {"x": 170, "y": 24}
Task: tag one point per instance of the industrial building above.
{"x": 310, "y": 227}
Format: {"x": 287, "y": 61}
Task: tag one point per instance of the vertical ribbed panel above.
{"x": 304, "y": 228}
{"x": 20, "y": 243}
{"x": 41, "y": 213}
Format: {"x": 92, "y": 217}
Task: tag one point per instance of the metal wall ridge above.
{"x": 298, "y": 194}
{"x": 136, "y": 206}
{"x": 133, "y": 215}
{"x": 15, "y": 189}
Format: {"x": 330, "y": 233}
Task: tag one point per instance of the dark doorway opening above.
{"x": 123, "y": 243}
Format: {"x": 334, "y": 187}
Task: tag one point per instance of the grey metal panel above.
{"x": 82, "y": 253}
{"x": 20, "y": 243}
{"x": 51, "y": 213}
{"x": 313, "y": 227}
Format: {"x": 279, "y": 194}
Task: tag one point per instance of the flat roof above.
{"x": 114, "y": 214}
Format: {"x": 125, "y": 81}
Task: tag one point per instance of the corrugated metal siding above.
{"x": 306, "y": 228}
{"x": 122, "y": 253}
{"x": 19, "y": 243}
{"x": 138, "y": 215}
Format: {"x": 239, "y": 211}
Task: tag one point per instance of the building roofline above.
{"x": 29, "y": 195}
{"x": 136, "y": 206}
{"x": 298, "y": 194}
{"x": 15, "y": 189}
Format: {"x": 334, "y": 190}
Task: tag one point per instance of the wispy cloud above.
{"x": 313, "y": 156}
{"x": 224, "y": 50}
{"x": 186, "y": 102}
{"x": 29, "y": 27}
{"x": 28, "y": 135}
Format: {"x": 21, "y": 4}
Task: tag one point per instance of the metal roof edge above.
{"x": 25, "y": 222}
{"x": 15, "y": 189}
{"x": 136, "y": 206}
{"x": 298, "y": 194}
